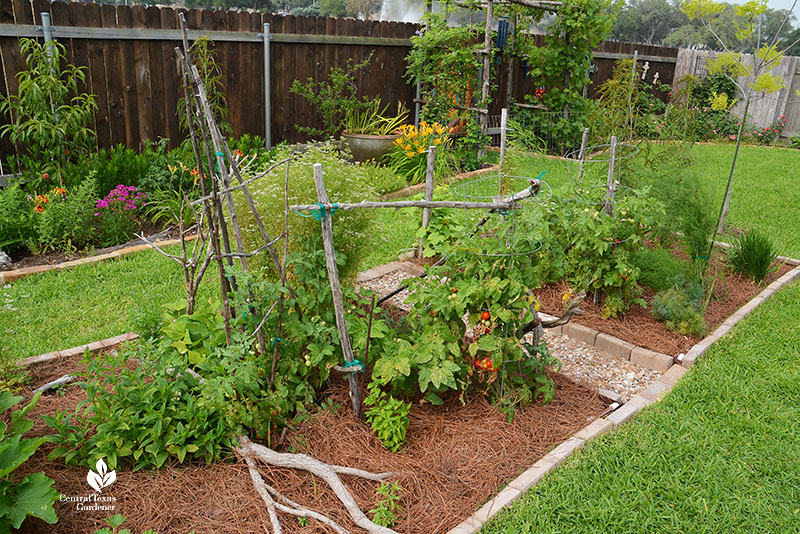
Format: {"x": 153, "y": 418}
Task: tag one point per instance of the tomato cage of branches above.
{"x": 504, "y": 232}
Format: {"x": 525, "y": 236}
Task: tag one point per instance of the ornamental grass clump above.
{"x": 409, "y": 155}
{"x": 752, "y": 255}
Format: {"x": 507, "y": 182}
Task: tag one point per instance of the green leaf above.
{"x": 434, "y": 399}
{"x": 473, "y": 349}
{"x": 33, "y": 497}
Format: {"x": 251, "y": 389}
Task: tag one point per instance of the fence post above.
{"x": 48, "y": 36}
{"x": 503, "y": 135}
{"x": 426, "y": 212}
{"x": 267, "y": 97}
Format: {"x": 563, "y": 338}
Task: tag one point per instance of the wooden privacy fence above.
{"x": 131, "y": 63}
{"x": 129, "y": 55}
{"x": 764, "y": 110}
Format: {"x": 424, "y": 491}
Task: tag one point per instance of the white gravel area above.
{"x": 386, "y": 284}
{"x": 583, "y": 364}
{"x": 598, "y": 368}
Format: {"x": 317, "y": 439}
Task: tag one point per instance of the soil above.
{"x": 22, "y": 257}
{"x": 455, "y": 459}
{"x": 639, "y": 327}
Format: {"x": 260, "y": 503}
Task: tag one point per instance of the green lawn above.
{"x": 62, "y": 309}
{"x": 766, "y": 186}
{"x": 766, "y": 189}
{"x": 721, "y": 453}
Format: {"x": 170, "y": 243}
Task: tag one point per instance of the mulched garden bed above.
{"x": 22, "y": 257}
{"x": 455, "y": 459}
{"x": 639, "y": 327}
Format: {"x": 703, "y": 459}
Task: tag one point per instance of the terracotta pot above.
{"x": 365, "y": 147}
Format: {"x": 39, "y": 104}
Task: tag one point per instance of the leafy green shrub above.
{"x": 33, "y": 495}
{"x": 140, "y": 417}
{"x": 600, "y": 247}
{"x": 388, "y": 418}
{"x": 344, "y": 182}
{"x": 445, "y": 228}
{"x": 435, "y": 355}
{"x": 66, "y": 221}
{"x": 660, "y": 269}
{"x": 794, "y": 142}
{"x": 386, "y": 510}
{"x": 147, "y": 321}
{"x": 681, "y": 313}
{"x": 16, "y": 218}
{"x": 752, "y": 254}
{"x": 119, "y": 165}
{"x": 48, "y": 116}
{"x": 169, "y": 170}
{"x": 333, "y": 98}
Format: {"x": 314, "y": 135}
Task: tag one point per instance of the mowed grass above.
{"x": 721, "y": 453}
{"x": 62, "y": 309}
{"x": 766, "y": 189}
{"x": 765, "y": 195}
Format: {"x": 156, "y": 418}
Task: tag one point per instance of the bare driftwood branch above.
{"x": 258, "y": 482}
{"x": 66, "y": 379}
{"x": 290, "y": 507}
{"x": 328, "y": 473}
{"x": 536, "y": 322}
{"x": 410, "y": 204}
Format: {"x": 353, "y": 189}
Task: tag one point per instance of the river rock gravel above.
{"x": 583, "y": 364}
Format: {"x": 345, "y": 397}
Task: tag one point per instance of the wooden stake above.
{"x": 611, "y": 185}
{"x": 582, "y": 153}
{"x": 336, "y": 288}
{"x": 426, "y": 212}
{"x": 503, "y": 135}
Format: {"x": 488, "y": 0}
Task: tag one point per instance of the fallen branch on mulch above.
{"x": 329, "y": 473}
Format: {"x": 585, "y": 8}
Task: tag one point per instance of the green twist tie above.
{"x": 355, "y": 363}
{"x": 274, "y": 339}
{"x": 320, "y": 213}
{"x": 701, "y": 258}
{"x": 220, "y": 154}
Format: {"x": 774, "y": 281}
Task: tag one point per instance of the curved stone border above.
{"x": 74, "y": 351}
{"x": 10, "y": 276}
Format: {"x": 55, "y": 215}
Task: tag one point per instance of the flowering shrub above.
{"x": 409, "y": 155}
{"x": 63, "y": 218}
{"x": 118, "y": 214}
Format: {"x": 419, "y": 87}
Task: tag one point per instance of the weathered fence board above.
{"x": 763, "y": 110}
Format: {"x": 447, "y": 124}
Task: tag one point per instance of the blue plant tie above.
{"x": 320, "y": 213}
{"x": 701, "y": 258}
{"x": 354, "y": 363}
{"x": 220, "y": 154}
{"x": 274, "y": 339}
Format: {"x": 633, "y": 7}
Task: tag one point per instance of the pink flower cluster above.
{"x": 121, "y": 198}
